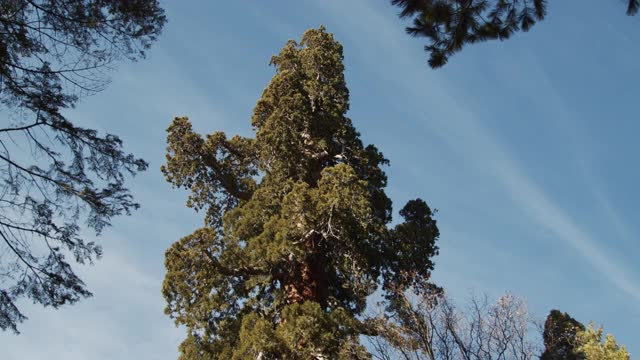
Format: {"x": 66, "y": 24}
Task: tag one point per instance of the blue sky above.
{"x": 526, "y": 147}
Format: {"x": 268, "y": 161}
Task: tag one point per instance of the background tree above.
{"x": 295, "y": 233}
{"x": 52, "y": 171}
{"x": 432, "y": 327}
{"x": 449, "y": 25}
{"x": 560, "y": 337}
{"x": 567, "y": 339}
{"x": 591, "y": 346}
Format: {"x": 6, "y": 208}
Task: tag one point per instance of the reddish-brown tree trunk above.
{"x": 308, "y": 279}
{"x": 307, "y": 282}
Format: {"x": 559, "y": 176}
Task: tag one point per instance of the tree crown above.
{"x": 295, "y": 234}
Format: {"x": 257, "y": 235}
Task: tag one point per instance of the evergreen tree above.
{"x": 560, "y": 332}
{"x": 567, "y": 339}
{"x": 295, "y": 234}
{"x": 53, "y": 171}
{"x": 451, "y": 24}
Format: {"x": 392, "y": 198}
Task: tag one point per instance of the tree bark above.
{"x": 308, "y": 280}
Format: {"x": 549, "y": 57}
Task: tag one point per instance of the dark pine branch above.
{"x": 54, "y": 174}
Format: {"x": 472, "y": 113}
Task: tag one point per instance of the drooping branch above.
{"x": 228, "y": 182}
{"x": 211, "y": 168}
{"x": 237, "y": 271}
{"x": 55, "y": 174}
{"x": 450, "y": 25}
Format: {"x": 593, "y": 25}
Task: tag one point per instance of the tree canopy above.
{"x": 295, "y": 235}
{"x": 565, "y": 338}
{"x": 590, "y": 344}
{"x": 450, "y": 25}
{"x": 53, "y": 172}
{"x": 559, "y": 335}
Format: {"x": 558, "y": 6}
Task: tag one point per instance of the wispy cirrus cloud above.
{"x": 123, "y": 319}
{"x": 457, "y": 125}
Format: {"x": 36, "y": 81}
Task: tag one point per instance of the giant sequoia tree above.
{"x": 295, "y": 234}
{"x": 55, "y": 173}
{"x": 449, "y": 25}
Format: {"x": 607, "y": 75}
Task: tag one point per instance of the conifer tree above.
{"x": 449, "y": 25}
{"x": 58, "y": 177}
{"x": 560, "y": 337}
{"x": 295, "y": 234}
{"x": 565, "y": 338}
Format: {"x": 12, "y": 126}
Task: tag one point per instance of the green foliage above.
{"x": 258, "y": 338}
{"x": 452, "y": 24}
{"x": 566, "y": 338}
{"x": 560, "y": 331}
{"x": 295, "y": 236}
{"x": 52, "y": 171}
{"x": 591, "y": 345}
